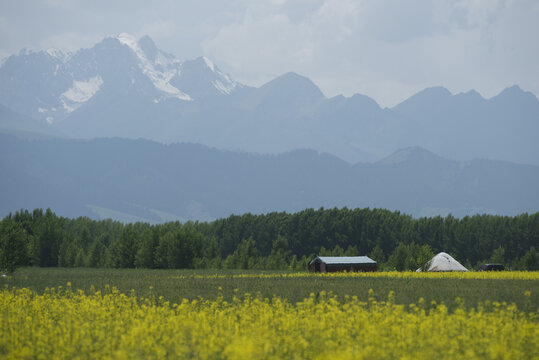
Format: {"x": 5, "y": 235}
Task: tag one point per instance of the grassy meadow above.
{"x": 175, "y": 285}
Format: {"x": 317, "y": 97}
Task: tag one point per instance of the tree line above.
{"x": 276, "y": 240}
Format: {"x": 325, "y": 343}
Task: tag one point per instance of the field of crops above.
{"x": 176, "y": 285}
{"x": 105, "y": 322}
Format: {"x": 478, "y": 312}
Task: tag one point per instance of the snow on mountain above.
{"x": 58, "y": 54}
{"x": 209, "y": 63}
{"x": 51, "y": 85}
{"x": 127, "y": 87}
{"x": 203, "y": 80}
{"x": 221, "y": 82}
{"x": 80, "y": 92}
{"x": 222, "y": 87}
{"x": 160, "y": 78}
{"x": 166, "y": 72}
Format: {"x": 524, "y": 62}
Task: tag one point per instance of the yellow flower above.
{"x": 110, "y": 325}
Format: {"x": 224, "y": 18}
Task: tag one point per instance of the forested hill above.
{"x": 140, "y": 180}
{"x": 271, "y": 241}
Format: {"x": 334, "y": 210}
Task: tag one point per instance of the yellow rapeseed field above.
{"x": 492, "y": 275}
{"x": 66, "y": 324}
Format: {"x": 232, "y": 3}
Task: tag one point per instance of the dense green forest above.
{"x": 270, "y": 241}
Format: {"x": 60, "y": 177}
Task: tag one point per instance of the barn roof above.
{"x": 342, "y": 260}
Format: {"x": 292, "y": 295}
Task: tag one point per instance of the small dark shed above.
{"x": 342, "y": 263}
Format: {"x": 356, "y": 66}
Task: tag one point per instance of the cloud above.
{"x": 69, "y": 41}
{"x": 386, "y": 49}
{"x": 266, "y": 38}
{"x": 159, "y": 29}
{"x": 66, "y": 4}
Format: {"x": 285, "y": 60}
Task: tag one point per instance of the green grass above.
{"x": 174, "y": 285}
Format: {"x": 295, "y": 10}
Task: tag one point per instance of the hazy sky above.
{"x": 385, "y": 49}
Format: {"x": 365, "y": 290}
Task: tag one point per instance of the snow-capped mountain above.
{"x": 127, "y": 87}
{"x": 51, "y": 85}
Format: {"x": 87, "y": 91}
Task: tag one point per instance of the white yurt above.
{"x": 443, "y": 262}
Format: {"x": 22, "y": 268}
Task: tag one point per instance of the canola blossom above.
{"x": 491, "y": 275}
{"x": 64, "y": 324}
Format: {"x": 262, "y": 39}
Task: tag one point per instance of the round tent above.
{"x": 442, "y": 262}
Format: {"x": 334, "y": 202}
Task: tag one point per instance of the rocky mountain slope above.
{"x": 127, "y": 87}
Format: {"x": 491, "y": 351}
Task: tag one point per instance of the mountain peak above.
{"x": 432, "y": 96}
{"x": 127, "y": 39}
{"x": 516, "y": 94}
{"x": 209, "y": 63}
{"x": 113, "y": 45}
{"x": 292, "y": 76}
{"x": 411, "y": 154}
{"x": 57, "y": 54}
{"x": 144, "y": 47}
{"x": 513, "y": 92}
{"x": 364, "y": 100}
{"x": 215, "y": 82}
{"x": 295, "y": 82}
{"x": 471, "y": 94}
{"x": 147, "y": 45}
{"x": 435, "y": 92}
{"x": 513, "y": 89}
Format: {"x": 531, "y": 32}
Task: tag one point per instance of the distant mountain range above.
{"x": 141, "y": 180}
{"x": 127, "y": 87}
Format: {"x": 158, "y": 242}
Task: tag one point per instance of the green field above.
{"x": 174, "y": 285}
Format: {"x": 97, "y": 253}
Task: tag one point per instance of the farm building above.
{"x": 342, "y": 263}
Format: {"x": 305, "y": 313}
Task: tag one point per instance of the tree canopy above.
{"x": 268, "y": 241}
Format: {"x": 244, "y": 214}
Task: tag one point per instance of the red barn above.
{"x": 342, "y": 263}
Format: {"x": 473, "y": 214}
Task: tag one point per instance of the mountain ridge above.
{"x": 128, "y": 87}
{"x": 139, "y": 178}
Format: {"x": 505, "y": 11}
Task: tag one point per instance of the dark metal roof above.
{"x": 344, "y": 260}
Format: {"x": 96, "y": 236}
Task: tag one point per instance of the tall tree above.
{"x": 244, "y": 257}
{"x": 530, "y": 260}
{"x": 13, "y": 246}
{"x": 144, "y": 257}
{"x": 48, "y": 235}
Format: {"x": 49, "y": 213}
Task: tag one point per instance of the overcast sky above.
{"x": 387, "y": 50}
